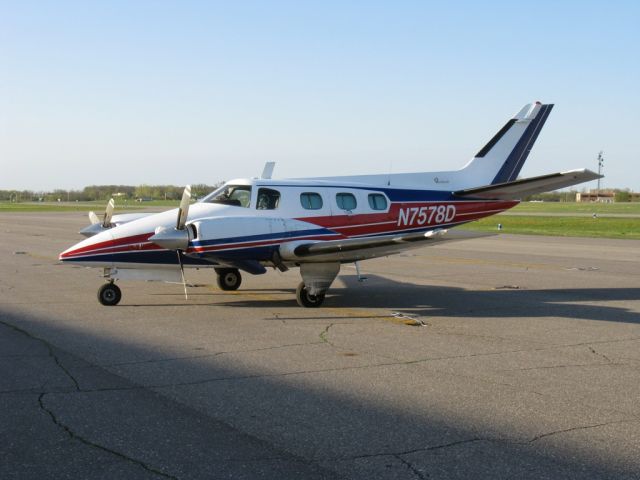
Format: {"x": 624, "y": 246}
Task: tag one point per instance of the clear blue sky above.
{"x": 133, "y": 92}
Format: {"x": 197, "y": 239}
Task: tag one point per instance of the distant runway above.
{"x": 500, "y": 357}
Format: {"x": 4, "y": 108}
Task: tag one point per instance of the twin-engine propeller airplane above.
{"x": 315, "y": 224}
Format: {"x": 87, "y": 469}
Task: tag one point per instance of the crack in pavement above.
{"x": 569, "y": 365}
{"x": 412, "y": 468}
{"x": 324, "y": 337}
{"x": 50, "y": 350}
{"x": 593, "y": 350}
{"x": 480, "y": 439}
{"x": 74, "y": 436}
{"x": 324, "y": 333}
{"x": 573, "y": 429}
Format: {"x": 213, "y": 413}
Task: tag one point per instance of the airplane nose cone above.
{"x": 64, "y": 256}
{"x": 90, "y": 246}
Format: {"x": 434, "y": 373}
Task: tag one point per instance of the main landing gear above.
{"x": 228, "y": 278}
{"x": 109, "y": 294}
{"x": 305, "y": 299}
{"x": 316, "y": 280}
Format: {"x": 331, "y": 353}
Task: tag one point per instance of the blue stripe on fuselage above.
{"x": 267, "y": 236}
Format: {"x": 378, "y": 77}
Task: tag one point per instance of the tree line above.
{"x": 105, "y": 192}
{"x": 173, "y": 192}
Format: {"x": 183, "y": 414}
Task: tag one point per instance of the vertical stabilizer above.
{"x": 502, "y": 158}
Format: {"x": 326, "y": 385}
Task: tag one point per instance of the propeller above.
{"x": 93, "y": 218}
{"x": 98, "y": 225}
{"x": 176, "y": 238}
{"x": 183, "y": 211}
{"x": 108, "y": 213}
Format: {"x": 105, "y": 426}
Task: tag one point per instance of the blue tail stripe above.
{"x": 512, "y": 166}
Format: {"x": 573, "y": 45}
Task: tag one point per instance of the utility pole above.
{"x": 600, "y": 166}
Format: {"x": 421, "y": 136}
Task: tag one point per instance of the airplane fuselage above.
{"x": 299, "y": 211}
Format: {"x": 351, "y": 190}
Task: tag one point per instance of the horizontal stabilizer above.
{"x": 528, "y": 186}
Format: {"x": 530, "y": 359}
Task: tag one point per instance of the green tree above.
{"x": 622, "y": 196}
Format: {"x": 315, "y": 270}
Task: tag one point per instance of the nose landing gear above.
{"x": 109, "y": 294}
{"x": 228, "y": 278}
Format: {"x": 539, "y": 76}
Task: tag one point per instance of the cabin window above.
{"x": 236, "y": 195}
{"x": 346, "y": 201}
{"x": 268, "y": 199}
{"x": 311, "y": 201}
{"x": 377, "y": 201}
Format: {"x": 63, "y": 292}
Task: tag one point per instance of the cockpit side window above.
{"x": 268, "y": 199}
{"x": 237, "y": 195}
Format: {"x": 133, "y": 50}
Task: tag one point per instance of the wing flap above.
{"x": 529, "y": 186}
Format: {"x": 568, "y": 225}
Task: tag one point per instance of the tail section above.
{"x": 498, "y": 162}
{"x": 502, "y": 158}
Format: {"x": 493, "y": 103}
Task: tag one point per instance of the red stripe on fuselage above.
{"x": 389, "y": 222}
{"x": 125, "y": 242}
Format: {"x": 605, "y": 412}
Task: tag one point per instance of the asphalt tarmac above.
{"x": 493, "y": 358}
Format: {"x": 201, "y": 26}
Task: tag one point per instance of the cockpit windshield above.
{"x": 238, "y": 195}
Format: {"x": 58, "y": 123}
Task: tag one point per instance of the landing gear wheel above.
{"x": 109, "y": 294}
{"x": 305, "y": 299}
{"x": 229, "y": 278}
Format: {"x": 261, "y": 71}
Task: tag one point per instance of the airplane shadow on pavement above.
{"x": 429, "y": 300}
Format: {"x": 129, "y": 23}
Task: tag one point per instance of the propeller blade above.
{"x": 184, "y": 283}
{"x": 183, "y": 211}
{"x": 93, "y": 218}
{"x": 108, "y": 213}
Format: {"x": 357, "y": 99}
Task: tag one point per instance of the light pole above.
{"x": 600, "y": 166}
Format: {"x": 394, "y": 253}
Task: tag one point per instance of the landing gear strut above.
{"x": 305, "y": 299}
{"x": 109, "y": 294}
{"x": 228, "y": 278}
{"x": 316, "y": 280}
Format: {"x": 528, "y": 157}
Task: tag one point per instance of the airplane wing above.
{"x": 309, "y": 250}
{"x": 529, "y": 186}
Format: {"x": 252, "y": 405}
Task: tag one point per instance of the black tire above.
{"x": 228, "y": 278}
{"x": 307, "y": 300}
{"x": 109, "y": 294}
